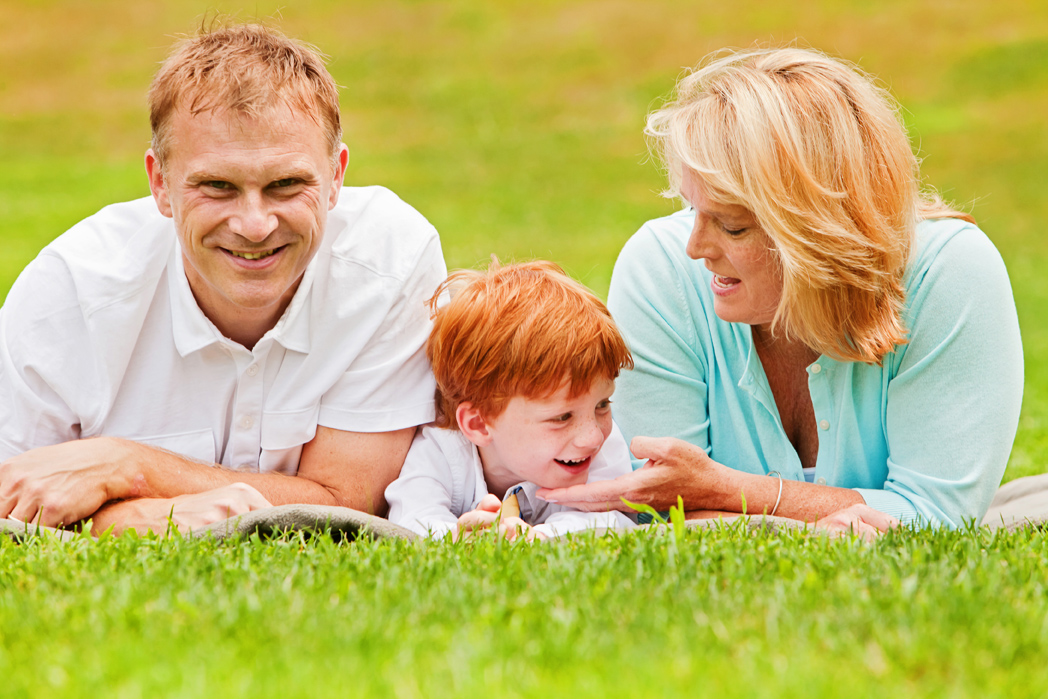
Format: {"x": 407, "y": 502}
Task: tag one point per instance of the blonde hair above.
{"x": 518, "y": 330}
{"x": 246, "y": 68}
{"x": 820, "y": 156}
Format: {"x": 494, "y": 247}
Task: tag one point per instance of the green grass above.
{"x": 515, "y": 127}
{"x": 718, "y": 613}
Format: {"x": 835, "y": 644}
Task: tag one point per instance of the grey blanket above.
{"x": 1022, "y": 502}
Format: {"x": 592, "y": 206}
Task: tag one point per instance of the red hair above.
{"x": 519, "y": 330}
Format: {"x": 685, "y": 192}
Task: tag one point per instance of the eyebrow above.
{"x": 292, "y": 174}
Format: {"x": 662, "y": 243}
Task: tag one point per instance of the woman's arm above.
{"x": 953, "y": 403}
{"x": 950, "y": 414}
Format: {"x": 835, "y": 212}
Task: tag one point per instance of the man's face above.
{"x": 249, "y": 198}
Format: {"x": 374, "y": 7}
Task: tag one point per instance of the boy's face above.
{"x": 548, "y": 441}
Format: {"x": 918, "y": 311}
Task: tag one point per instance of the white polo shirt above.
{"x": 101, "y": 335}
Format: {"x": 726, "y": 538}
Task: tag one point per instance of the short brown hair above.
{"x": 817, "y": 151}
{"x": 247, "y": 68}
{"x": 518, "y": 330}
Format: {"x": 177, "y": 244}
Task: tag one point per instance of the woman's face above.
{"x": 747, "y": 280}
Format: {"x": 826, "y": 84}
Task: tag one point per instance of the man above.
{"x": 251, "y": 314}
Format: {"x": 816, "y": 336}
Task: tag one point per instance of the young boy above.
{"x": 525, "y": 360}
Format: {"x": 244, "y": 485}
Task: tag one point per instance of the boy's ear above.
{"x": 472, "y": 424}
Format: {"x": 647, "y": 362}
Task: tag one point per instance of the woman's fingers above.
{"x": 599, "y": 496}
{"x": 861, "y": 520}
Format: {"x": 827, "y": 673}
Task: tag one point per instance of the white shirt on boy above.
{"x": 101, "y": 335}
{"x": 443, "y": 478}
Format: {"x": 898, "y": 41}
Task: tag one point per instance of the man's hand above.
{"x": 69, "y": 482}
{"x": 486, "y": 515}
{"x": 674, "y": 468}
{"x": 64, "y": 483}
{"x": 186, "y": 512}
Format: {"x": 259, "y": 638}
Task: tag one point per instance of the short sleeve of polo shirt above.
{"x": 384, "y": 273}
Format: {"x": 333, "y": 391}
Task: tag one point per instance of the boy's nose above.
{"x": 590, "y": 436}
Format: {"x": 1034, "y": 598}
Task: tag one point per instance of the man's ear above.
{"x": 157, "y": 185}
{"x": 340, "y": 175}
{"x": 472, "y": 424}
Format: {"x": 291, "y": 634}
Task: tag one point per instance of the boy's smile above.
{"x": 548, "y": 441}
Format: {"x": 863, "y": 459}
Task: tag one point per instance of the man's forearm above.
{"x": 163, "y": 474}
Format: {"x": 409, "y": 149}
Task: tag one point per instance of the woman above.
{"x": 813, "y": 337}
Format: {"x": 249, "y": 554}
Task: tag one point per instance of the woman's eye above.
{"x": 733, "y": 231}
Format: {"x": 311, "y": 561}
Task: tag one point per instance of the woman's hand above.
{"x": 862, "y": 520}
{"x": 674, "y": 468}
{"x": 486, "y": 515}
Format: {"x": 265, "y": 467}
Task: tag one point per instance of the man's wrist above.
{"x": 128, "y": 467}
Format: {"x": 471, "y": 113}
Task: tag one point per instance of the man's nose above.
{"x": 253, "y": 219}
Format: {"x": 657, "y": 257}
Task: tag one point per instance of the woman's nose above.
{"x": 700, "y": 243}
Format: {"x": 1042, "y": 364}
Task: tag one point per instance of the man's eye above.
{"x": 217, "y": 184}
{"x": 286, "y": 182}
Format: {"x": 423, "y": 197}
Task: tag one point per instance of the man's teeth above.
{"x": 252, "y": 255}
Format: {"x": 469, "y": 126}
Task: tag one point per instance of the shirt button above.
{"x": 824, "y": 424}
{"x": 816, "y": 368}
{"x": 246, "y": 422}
{"x": 252, "y": 370}
{"x": 821, "y": 481}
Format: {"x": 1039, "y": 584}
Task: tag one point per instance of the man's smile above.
{"x": 257, "y": 255}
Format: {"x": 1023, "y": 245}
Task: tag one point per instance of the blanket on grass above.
{"x": 1022, "y": 502}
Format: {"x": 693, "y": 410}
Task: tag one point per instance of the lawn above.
{"x": 515, "y": 127}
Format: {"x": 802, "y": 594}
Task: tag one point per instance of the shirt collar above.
{"x": 193, "y": 331}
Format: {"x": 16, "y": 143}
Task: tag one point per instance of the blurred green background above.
{"x": 515, "y": 127}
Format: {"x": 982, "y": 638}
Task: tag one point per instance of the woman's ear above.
{"x": 472, "y": 424}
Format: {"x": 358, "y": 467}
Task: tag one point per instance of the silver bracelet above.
{"x": 779, "y": 496}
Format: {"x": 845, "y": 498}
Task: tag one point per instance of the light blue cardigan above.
{"x": 925, "y": 437}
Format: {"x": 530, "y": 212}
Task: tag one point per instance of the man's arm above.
{"x": 69, "y": 482}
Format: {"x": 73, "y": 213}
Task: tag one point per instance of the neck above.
{"x": 244, "y": 325}
{"x": 497, "y": 478}
{"x": 767, "y": 343}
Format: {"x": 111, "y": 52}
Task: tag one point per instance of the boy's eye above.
{"x": 562, "y": 418}
{"x": 604, "y": 404}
